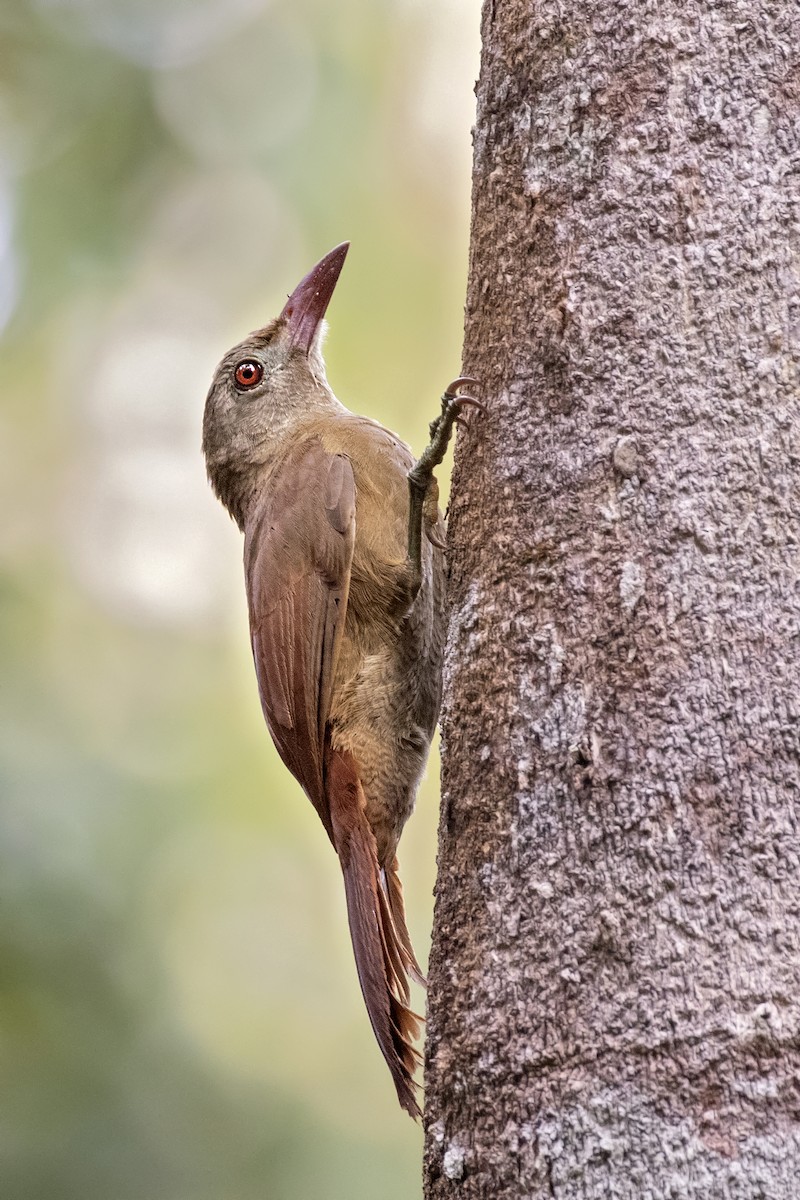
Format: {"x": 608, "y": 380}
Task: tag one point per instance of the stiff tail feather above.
{"x": 394, "y": 894}
{"x": 381, "y": 956}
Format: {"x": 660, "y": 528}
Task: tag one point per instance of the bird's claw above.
{"x": 453, "y": 388}
{"x": 454, "y": 398}
{"x": 469, "y": 401}
{"x": 435, "y": 541}
{"x": 453, "y": 402}
{"x": 421, "y": 474}
{"x": 452, "y": 394}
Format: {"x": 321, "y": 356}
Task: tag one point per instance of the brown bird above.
{"x": 345, "y": 578}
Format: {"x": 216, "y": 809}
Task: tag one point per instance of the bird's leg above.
{"x": 420, "y": 476}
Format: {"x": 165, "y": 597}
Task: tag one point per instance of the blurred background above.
{"x": 180, "y": 1016}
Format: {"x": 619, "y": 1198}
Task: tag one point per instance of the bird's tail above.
{"x": 382, "y": 952}
{"x": 394, "y": 894}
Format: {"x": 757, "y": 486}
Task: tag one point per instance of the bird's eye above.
{"x": 248, "y": 373}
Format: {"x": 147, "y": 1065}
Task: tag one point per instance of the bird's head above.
{"x": 271, "y": 378}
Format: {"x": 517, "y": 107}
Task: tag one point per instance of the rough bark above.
{"x": 614, "y": 1005}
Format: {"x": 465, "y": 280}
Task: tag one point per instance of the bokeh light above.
{"x": 179, "y": 1011}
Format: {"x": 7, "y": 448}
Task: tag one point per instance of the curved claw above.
{"x": 420, "y": 477}
{"x": 471, "y": 402}
{"x": 434, "y": 541}
{"x": 462, "y": 381}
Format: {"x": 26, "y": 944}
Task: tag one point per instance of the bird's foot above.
{"x": 454, "y": 401}
{"x": 420, "y": 477}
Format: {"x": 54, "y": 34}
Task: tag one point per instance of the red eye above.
{"x": 248, "y": 373}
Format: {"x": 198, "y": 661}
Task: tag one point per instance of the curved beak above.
{"x": 306, "y": 306}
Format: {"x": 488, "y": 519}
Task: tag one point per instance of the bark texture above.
{"x": 614, "y": 1005}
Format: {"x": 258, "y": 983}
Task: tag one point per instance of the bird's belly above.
{"x": 378, "y": 714}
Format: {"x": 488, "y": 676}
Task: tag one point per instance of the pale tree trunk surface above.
{"x": 615, "y": 977}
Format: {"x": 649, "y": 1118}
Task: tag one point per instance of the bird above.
{"x": 344, "y": 557}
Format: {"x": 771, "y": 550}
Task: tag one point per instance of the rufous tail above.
{"x": 394, "y": 893}
{"x": 383, "y": 955}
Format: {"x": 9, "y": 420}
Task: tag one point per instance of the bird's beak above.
{"x": 307, "y": 304}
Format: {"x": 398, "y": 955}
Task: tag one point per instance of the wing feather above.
{"x": 298, "y": 554}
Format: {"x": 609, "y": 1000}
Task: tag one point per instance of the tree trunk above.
{"x": 614, "y": 1006}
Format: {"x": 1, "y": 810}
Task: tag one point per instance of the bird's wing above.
{"x": 298, "y": 553}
